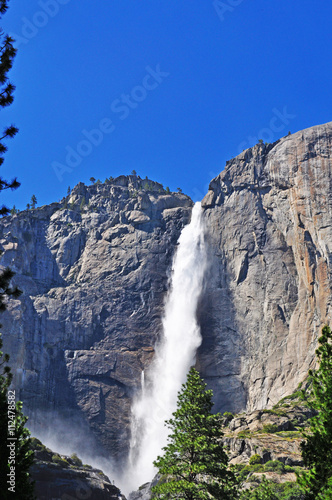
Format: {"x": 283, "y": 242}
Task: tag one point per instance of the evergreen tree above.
{"x": 28, "y": 206}
{"x": 5, "y": 289}
{"x": 195, "y": 465}
{"x": 93, "y": 180}
{"x": 317, "y": 449}
{"x": 16, "y": 459}
{"x": 14, "y": 210}
{"x": 7, "y": 55}
{"x": 33, "y": 201}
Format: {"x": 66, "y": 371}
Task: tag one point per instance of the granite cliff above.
{"x": 94, "y": 270}
{"x": 269, "y": 229}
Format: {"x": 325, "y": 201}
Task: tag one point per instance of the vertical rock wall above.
{"x": 269, "y": 227}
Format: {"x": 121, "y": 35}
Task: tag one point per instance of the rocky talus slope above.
{"x": 94, "y": 270}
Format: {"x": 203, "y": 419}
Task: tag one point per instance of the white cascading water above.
{"x": 174, "y": 355}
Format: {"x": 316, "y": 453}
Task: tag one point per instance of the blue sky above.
{"x": 170, "y": 89}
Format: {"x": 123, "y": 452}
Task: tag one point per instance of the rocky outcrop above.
{"x": 268, "y": 219}
{"x": 60, "y": 477}
{"x": 94, "y": 270}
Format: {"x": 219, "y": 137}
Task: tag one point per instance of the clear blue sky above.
{"x": 226, "y": 74}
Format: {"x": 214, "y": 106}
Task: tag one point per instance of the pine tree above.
{"x": 194, "y": 464}
{"x": 33, "y": 201}
{"x": 317, "y": 449}
{"x": 5, "y": 289}
{"x": 7, "y": 55}
{"x": 17, "y": 458}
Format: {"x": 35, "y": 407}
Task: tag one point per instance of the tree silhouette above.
{"x": 7, "y": 55}
{"x": 33, "y": 201}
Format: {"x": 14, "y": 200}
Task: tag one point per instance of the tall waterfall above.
{"x": 173, "y": 355}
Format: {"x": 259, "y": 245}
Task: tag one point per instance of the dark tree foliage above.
{"x": 33, "y": 201}
{"x": 7, "y": 55}
{"x": 5, "y": 289}
{"x": 317, "y": 448}
{"x": 194, "y": 464}
{"x": 12, "y": 424}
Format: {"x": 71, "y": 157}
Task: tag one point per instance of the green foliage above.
{"x": 179, "y": 190}
{"x": 76, "y": 461}
{"x": 255, "y": 459}
{"x": 274, "y": 466}
{"x": 268, "y": 490}
{"x": 93, "y": 180}
{"x": 7, "y": 55}
{"x": 194, "y": 462}
{"x": 167, "y": 190}
{"x": 317, "y": 448}
{"x": 14, "y": 211}
{"x": 244, "y": 434}
{"x": 133, "y": 172}
{"x": 12, "y": 425}
{"x": 228, "y": 415}
{"x": 59, "y": 460}
{"x": 82, "y": 204}
{"x": 33, "y": 201}
{"x": 263, "y": 492}
{"x": 270, "y": 428}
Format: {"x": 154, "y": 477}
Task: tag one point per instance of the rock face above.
{"x": 94, "y": 270}
{"x": 269, "y": 228}
{"x": 61, "y": 477}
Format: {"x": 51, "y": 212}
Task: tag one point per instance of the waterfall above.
{"x": 174, "y": 355}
